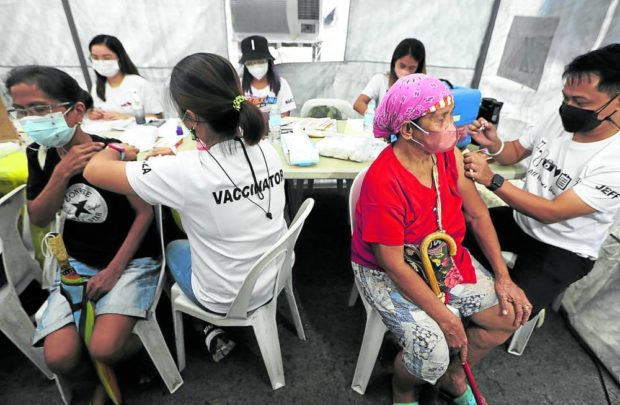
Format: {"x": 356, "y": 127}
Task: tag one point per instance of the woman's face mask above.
{"x": 258, "y": 70}
{"x": 437, "y": 141}
{"x": 576, "y": 119}
{"x": 107, "y": 68}
{"x": 49, "y": 130}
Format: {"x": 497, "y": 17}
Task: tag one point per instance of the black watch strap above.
{"x": 496, "y": 182}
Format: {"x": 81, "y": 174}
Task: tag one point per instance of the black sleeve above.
{"x": 37, "y": 178}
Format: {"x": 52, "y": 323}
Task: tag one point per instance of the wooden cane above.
{"x": 432, "y": 281}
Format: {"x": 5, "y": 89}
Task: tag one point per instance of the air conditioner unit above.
{"x": 277, "y": 20}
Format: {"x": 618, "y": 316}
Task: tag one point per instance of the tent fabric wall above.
{"x": 579, "y": 26}
{"x": 158, "y": 33}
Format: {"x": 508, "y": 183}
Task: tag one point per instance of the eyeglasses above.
{"x": 38, "y": 110}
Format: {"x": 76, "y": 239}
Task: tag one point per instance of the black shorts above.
{"x": 541, "y": 270}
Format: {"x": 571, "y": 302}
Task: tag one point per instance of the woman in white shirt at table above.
{"x": 409, "y": 57}
{"x": 229, "y": 194}
{"x": 119, "y": 85}
{"x": 261, "y": 84}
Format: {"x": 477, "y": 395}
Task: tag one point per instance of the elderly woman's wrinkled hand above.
{"x": 477, "y": 168}
{"x": 508, "y": 294}
{"x": 454, "y": 333}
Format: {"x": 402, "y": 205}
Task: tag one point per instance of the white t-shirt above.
{"x": 227, "y": 233}
{"x": 265, "y": 98}
{"x": 377, "y": 87}
{"x": 592, "y": 170}
{"x": 119, "y": 99}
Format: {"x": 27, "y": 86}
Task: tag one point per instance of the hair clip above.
{"x": 237, "y": 102}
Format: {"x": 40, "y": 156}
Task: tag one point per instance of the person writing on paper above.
{"x": 414, "y": 188}
{"x": 408, "y": 57}
{"x": 229, "y": 194}
{"x": 261, "y": 83}
{"x": 557, "y": 223}
{"x": 109, "y": 237}
{"x": 119, "y": 86}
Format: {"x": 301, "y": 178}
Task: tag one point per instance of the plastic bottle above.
{"x": 369, "y": 116}
{"x": 138, "y": 108}
{"x": 275, "y": 121}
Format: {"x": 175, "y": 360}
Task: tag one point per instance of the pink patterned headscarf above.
{"x": 411, "y": 97}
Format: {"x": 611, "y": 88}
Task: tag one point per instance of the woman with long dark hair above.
{"x": 409, "y": 57}
{"x": 229, "y": 193}
{"x": 261, "y": 84}
{"x": 119, "y": 85}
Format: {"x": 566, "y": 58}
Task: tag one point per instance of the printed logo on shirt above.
{"x": 235, "y": 193}
{"x": 145, "y": 168}
{"x": 261, "y": 101}
{"x": 560, "y": 180}
{"x": 608, "y": 191}
{"x": 83, "y": 203}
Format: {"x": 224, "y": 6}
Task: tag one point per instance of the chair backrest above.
{"x": 162, "y": 273}
{"x": 354, "y": 194}
{"x": 282, "y": 254}
{"x": 345, "y": 108}
{"x": 18, "y": 264}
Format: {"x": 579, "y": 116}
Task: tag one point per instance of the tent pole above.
{"x": 76, "y": 42}
{"x": 484, "y": 49}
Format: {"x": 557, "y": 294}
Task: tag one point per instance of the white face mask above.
{"x": 107, "y": 68}
{"x": 258, "y": 70}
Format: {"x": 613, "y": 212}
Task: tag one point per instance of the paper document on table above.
{"x": 101, "y": 126}
{"x": 314, "y": 127}
{"x": 356, "y": 148}
{"x": 141, "y": 136}
{"x": 298, "y": 149}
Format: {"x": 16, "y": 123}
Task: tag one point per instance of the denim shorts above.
{"x": 132, "y": 295}
{"x": 425, "y": 351}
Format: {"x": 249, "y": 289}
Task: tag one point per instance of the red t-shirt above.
{"x": 394, "y": 208}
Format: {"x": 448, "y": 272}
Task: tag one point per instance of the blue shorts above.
{"x": 425, "y": 350}
{"x": 132, "y": 295}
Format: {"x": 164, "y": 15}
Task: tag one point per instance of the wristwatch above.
{"x": 118, "y": 148}
{"x": 496, "y": 182}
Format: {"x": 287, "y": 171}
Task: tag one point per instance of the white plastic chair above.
{"x": 375, "y": 328}
{"x": 149, "y": 333}
{"x": 262, "y": 319}
{"x": 345, "y": 108}
{"x": 20, "y": 269}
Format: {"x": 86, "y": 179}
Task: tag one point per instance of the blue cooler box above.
{"x": 466, "y": 106}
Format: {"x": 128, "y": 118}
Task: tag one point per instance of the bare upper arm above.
{"x": 361, "y": 104}
{"x": 109, "y": 175}
{"x": 473, "y": 205}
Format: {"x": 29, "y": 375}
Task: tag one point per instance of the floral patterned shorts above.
{"x": 425, "y": 351}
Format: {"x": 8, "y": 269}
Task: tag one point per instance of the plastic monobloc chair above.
{"x": 375, "y": 328}
{"x": 20, "y": 269}
{"x": 261, "y": 319}
{"x": 149, "y": 333}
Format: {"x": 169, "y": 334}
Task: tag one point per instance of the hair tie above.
{"x": 237, "y": 102}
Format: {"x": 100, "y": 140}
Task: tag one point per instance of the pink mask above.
{"x": 437, "y": 141}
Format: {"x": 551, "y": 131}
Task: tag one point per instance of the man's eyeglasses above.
{"x": 37, "y": 110}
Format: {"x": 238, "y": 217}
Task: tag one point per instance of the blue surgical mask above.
{"x": 50, "y": 130}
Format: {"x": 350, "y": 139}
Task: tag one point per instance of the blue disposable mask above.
{"x": 49, "y": 130}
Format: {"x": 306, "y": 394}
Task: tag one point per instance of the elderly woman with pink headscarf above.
{"x": 414, "y": 188}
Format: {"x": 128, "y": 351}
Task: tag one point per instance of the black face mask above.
{"x": 581, "y": 120}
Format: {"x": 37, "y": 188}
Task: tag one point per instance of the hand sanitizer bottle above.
{"x": 275, "y": 121}
{"x": 369, "y": 116}
{"x": 138, "y": 108}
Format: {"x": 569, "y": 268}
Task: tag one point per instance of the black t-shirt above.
{"x": 97, "y": 220}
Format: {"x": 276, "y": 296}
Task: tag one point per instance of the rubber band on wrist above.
{"x": 499, "y": 151}
{"x": 119, "y": 149}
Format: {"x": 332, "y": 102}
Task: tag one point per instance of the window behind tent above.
{"x": 297, "y": 30}
{"x": 527, "y": 48}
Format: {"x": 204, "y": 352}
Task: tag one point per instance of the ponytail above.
{"x": 252, "y": 123}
